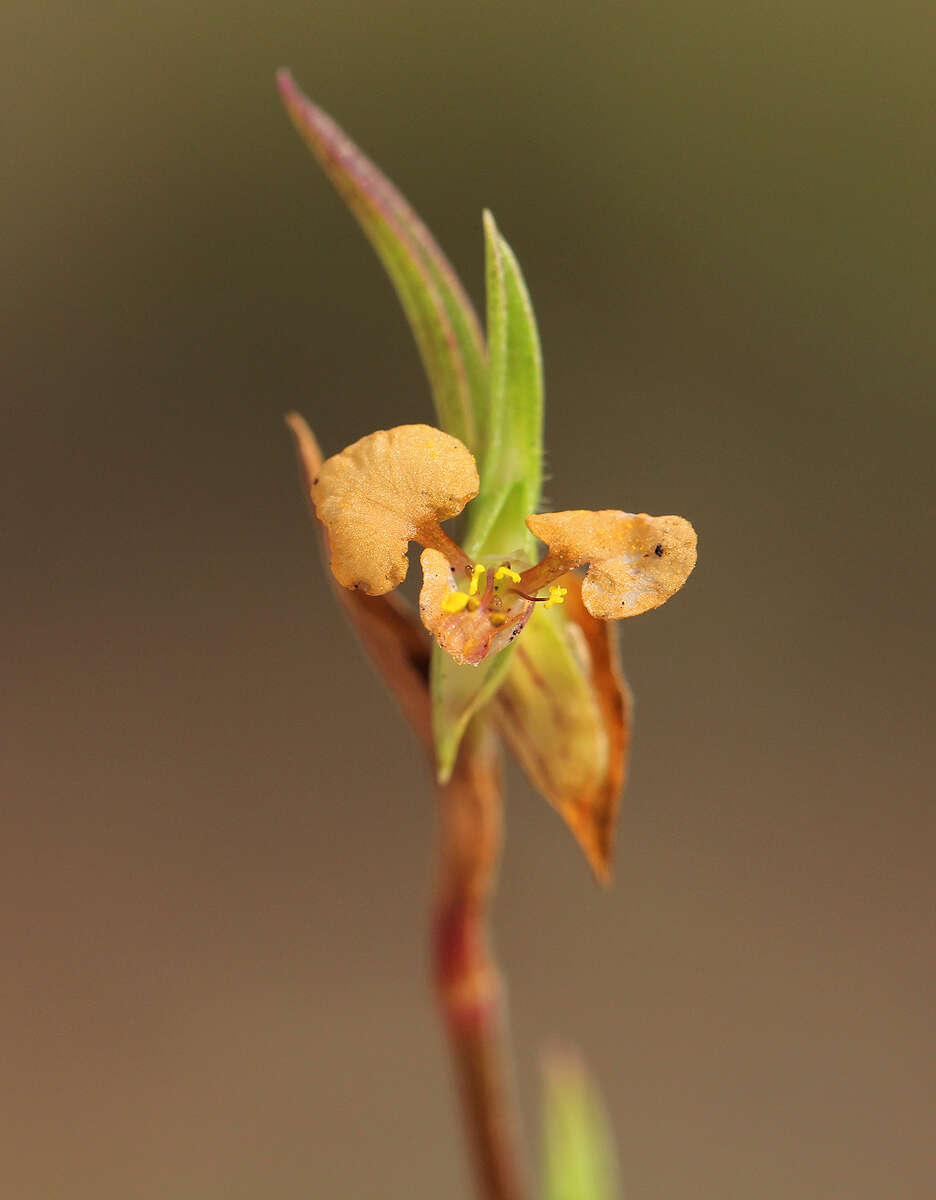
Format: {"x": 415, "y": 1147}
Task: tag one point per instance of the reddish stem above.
{"x": 466, "y": 975}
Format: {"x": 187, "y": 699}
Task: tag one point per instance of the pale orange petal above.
{"x": 637, "y": 561}
{"x": 384, "y": 491}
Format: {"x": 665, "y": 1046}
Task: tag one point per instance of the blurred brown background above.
{"x": 216, "y": 834}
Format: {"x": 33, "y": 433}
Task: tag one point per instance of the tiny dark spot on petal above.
{"x": 658, "y": 550}
{"x": 315, "y": 481}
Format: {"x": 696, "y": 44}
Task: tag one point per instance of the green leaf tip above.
{"x": 578, "y": 1152}
{"x": 511, "y": 478}
{"x": 444, "y": 324}
{"x": 512, "y": 466}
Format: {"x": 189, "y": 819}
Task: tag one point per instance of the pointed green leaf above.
{"x": 577, "y": 1146}
{"x": 512, "y": 467}
{"x": 500, "y": 421}
{"x": 440, "y": 314}
{"x": 511, "y": 480}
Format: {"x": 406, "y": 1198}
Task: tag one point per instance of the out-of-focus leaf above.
{"x": 511, "y": 480}
{"x": 440, "y": 314}
{"x": 565, "y": 711}
{"x": 578, "y": 1151}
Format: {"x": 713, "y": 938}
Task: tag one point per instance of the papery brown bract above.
{"x": 565, "y": 711}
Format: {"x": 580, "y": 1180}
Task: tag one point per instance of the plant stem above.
{"x": 466, "y": 976}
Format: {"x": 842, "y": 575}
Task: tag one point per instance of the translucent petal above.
{"x": 477, "y": 629}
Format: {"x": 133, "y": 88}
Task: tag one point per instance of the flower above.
{"x": 398, "y": 485}
{"x": 525, "y": 645}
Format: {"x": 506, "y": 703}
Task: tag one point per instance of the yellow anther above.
{"x": 454, "y": 602}
{"x": 557, "y": 595}
{"x": 477, "y": 575}
{"x": 497, "y": 619}
{"x": 506, "y": 573}
{"x": 474, "y": 603}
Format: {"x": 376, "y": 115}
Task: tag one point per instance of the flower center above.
{"x": 493, "y": 592}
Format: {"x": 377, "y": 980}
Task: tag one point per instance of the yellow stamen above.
{"x": 477, "y": 575}
{"x": 454, "y": 602}
{"x": 497, "y": 619}
{"x": 474, "y": 604}
{"x": 506, "y": 573}
{"x": 557, "y": 595}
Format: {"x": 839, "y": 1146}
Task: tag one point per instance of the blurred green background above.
{"x": 216, "y": 834}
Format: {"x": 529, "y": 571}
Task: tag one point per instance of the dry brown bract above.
{"x": 637, "y": 561}
{"x": 386, "y": 490}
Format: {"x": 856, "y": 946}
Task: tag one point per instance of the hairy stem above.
{"x": 466, "y": 976}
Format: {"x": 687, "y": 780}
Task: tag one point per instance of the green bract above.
{"x": 440, "y": 314}
{"x": 511, "y": 479}
{"x": 495, "y": 407}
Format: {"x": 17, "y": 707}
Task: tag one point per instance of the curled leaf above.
{"x": 383, "y": 492}
{"x": 637, "y": 561}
